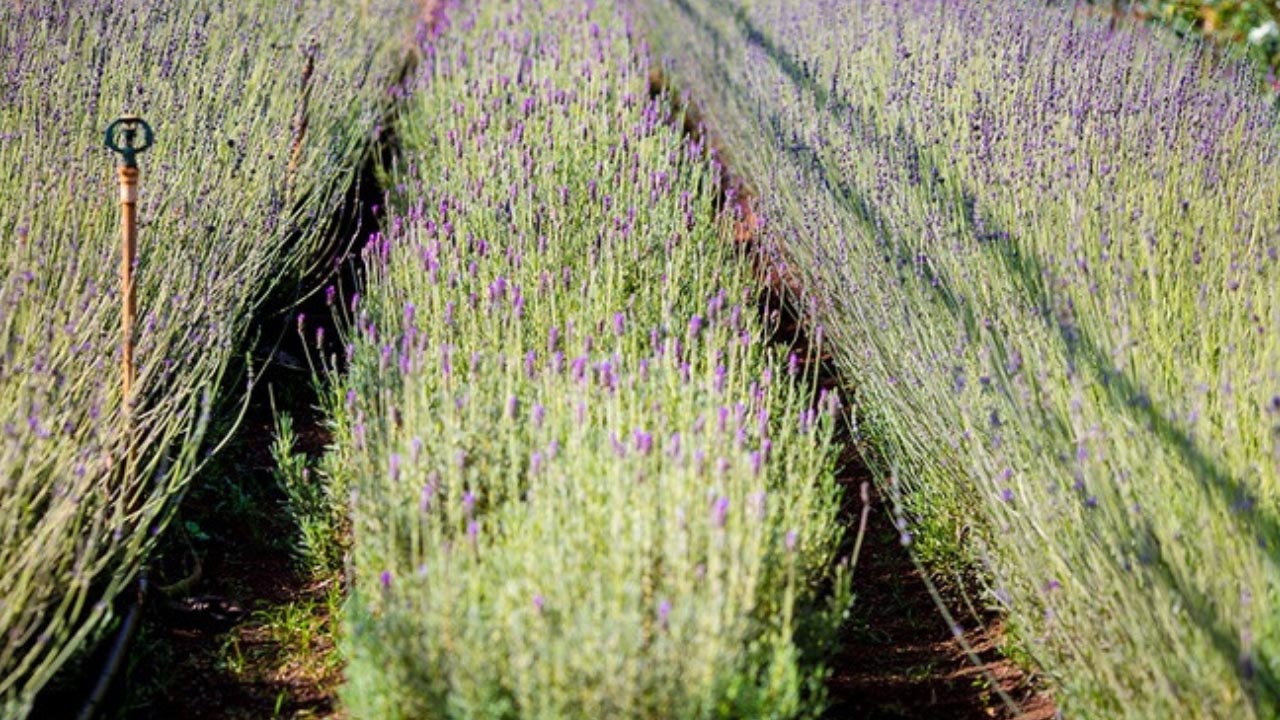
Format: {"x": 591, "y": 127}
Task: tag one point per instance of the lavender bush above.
{"x": 1046, "y": 255}
{"x": 582, "y": 483}
{"x": 223, "y": 219}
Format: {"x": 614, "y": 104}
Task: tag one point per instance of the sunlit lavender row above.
{"x": 582, "y": 482}
{"x": 223, "y": 217}
{"x": 1046, "y": 254}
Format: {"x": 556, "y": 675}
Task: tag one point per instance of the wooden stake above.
{"x": 128, "y": 127}
{"x": 128, "y": 283}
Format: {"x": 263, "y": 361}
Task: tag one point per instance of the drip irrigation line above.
{"x": 119, "y": 648}
{"x": 958, "y": 633}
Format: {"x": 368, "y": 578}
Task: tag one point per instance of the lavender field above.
{"x": 524, "y": 359}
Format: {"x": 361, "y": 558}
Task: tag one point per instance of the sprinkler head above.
{"x": 125, "y": 129}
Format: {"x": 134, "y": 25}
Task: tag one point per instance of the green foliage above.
{"x": 1250, "y": 23}
{"x": 316, "y": 505}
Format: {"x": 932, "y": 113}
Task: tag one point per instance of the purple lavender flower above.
{"x": 720, "y": 512}
{"x": 695, "y": 326}
{"x": 497, "y": 290}
{"x": 643, "y": 441}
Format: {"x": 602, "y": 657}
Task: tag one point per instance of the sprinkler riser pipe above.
{"x": 128, "y": 283}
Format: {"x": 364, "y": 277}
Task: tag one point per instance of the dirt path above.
{"x": 252, "y": 636}
{"x": 900, "y": 660}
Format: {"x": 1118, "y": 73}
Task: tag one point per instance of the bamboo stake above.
{"x": 128, "y": 283}
{"x": 128, "y": 147}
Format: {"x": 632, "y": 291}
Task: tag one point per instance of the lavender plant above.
{"x": 582, "y": 483}
{"x": 1045, "y": 253}
{"x": 228, "y": 208}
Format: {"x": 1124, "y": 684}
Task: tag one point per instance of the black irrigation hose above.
{"x": 119, "y": 648}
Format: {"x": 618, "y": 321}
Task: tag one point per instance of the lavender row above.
{"x": 581, "y": 482}
{"x": 1045, "y": 252}
{"x": 235, "y": 197}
